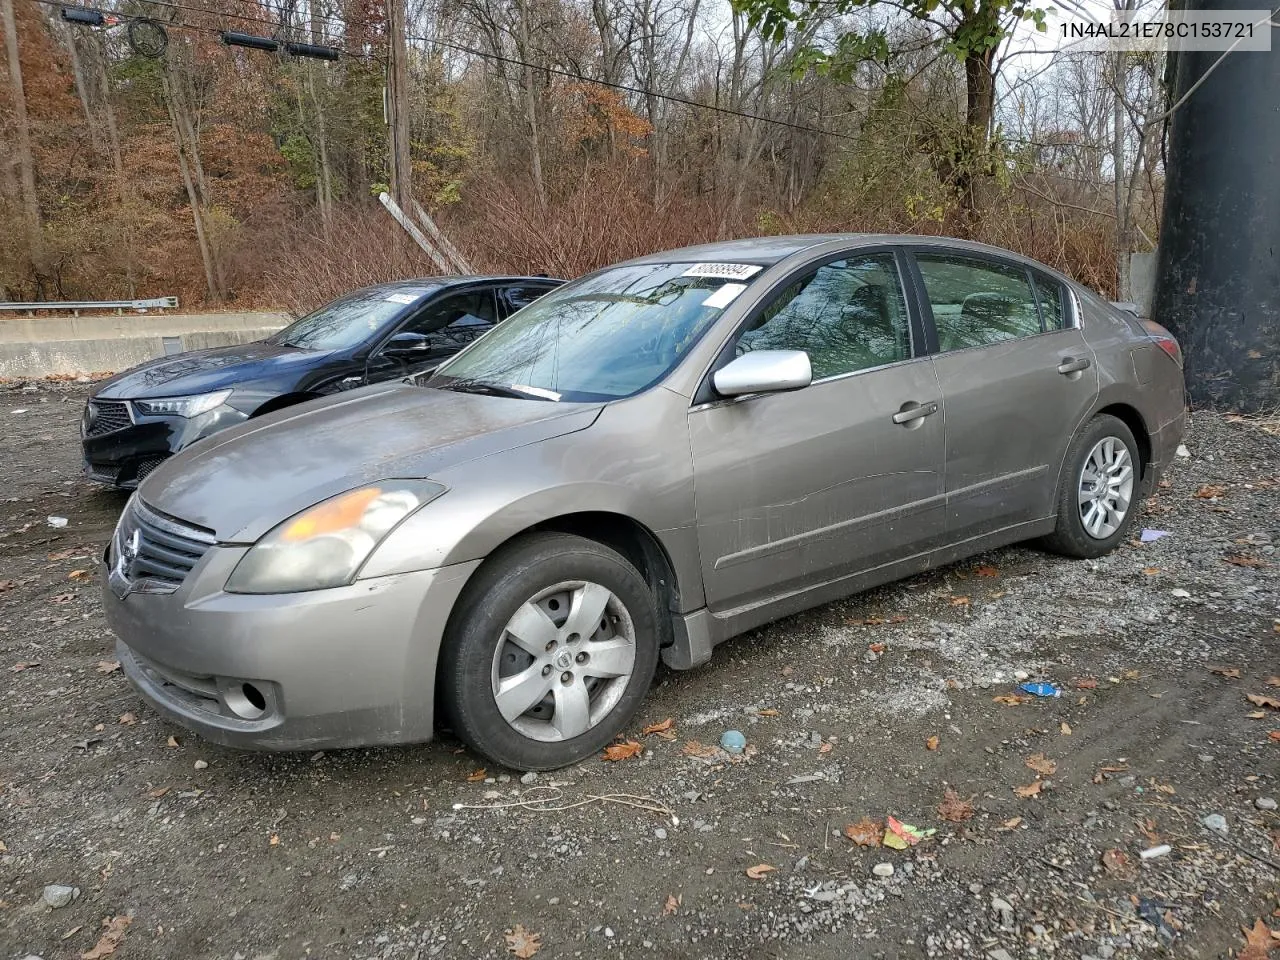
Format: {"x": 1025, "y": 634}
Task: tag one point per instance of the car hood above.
{"x": 242, "y": 482}
{"x": 203, "y": 371}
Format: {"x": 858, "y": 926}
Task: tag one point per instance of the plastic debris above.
{"x": 733, "y": 741}
{"x": 883, "y": 869}
{"x": 1182, "y": 451}
{"x": 1157, "y": 851}
{"x": 1216, "y": 822}
{"x": 1151, "y": 536}
{"x": 899, "y": 835}
{"x": 1181, "y": 594}
{"x": 1152, "y": 911}
{"x": 57, "y": 521}
{"x": 1040, "y": 689}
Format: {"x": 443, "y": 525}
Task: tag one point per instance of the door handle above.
{"x": 912, "y": 411}
{"x": 1070, "y": 365}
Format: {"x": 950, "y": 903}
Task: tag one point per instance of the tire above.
{"x": 512, "y": 639}
{"x": 1080, "y": 533}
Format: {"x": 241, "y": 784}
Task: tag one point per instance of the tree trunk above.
{"x": 398, "y": 106}
{"x": 22, "y": 129}
{"x": 971, "y": 152}
{"x": 531, "y": 109}
{"x": 193, "y": 198}
{"x": 324, "y": 177}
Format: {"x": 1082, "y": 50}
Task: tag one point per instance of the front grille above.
{"x": 157, "y": 549}
{"x": 106, "y": 416}
{"x": 147, "y": 465}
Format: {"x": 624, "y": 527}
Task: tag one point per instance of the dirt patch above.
{"x": 412, "y": 852}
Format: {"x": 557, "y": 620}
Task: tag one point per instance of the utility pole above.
{"x": 1217, "y": 277}
{"x": 398, "y": 106}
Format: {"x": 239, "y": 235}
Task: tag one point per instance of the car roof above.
{"x": 445, "y": 282}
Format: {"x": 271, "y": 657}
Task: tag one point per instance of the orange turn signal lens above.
{"x": 340, "y": 513}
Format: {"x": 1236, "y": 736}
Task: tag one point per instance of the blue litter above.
{"x": 1040, "y": 689}
{"x": 1150, "y": 536}
{"x": 733, "y": 741}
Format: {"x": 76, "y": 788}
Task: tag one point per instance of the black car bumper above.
{"x": 121, "y": 446}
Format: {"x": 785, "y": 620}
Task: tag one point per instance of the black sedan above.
{"x": 136, "y": 419}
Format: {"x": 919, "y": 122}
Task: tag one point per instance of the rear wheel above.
{"x": 1100, "y": 491}
{"x": 550, "y": 652}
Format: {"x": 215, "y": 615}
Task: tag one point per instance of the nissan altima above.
{"x": 638, "y": 466}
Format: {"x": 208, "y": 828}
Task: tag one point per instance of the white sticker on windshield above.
{"x": 405, "y": 298}
{"x": 724, "y": 296}
{"x": 725, "y": 271}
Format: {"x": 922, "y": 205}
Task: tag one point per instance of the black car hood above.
{"x": 204, "y": 371}
{"x": 243, "y": 481}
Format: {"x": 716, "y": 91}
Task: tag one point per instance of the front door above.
{"x": 445, "y": 326}
{"x": 798, "y": 489}
{"x": 1017, "y": 379}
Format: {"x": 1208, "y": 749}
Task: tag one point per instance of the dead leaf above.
{"x": 931, "y": 743}
{"x": 959, "y": 601}
{"x": 1258, "y": 942}
{"x": 662, "y": 727}
{"x": 275, "y": 840}
{"x": 954, "y": 808}
{"x": 759, "y": 870}
{"x": 1115, "y": 861}
{"x": 1030, "y": 790}
{"x": 987, "y": 571}
{"x": 1209, "y": 491}
{"x": 825, "y": 748}
{"x": 1042, "y": 764}
{"x": 172, "y": 742}
{"x": 6, "y": 585}
{"x": 1151, "y": 571}
{"x": 1256, "y": 715}
{"x": 1240, "y": 560}
{"x": 128, "y": 719}
{"x": 24, "y": 665}
{"x": 1258, "y": 700}
{"x": 78, "y": 575}
{"x": 1065, "y": 728}
{"x": 111, "y": 938}
{"x": 692, "y": 748}
{"x": 522, "y": 943}
{"x": 477, "y": 776}
{"x": 1274, "y": 735}
{"x": 1086, "y": 683}
{"x": 672, "y": 905}
{"x": 625, "y": 750}
{"x": 1272, "y": 681}
{"x": 1231, "y": 673}
{"x": 1011, "y": 699}
{"x": 865, "y": 833}
{"x": 62, "y": 598}
{"x": 767, "y": 712}
{"x": 158, "y": 792}
{"x": 1012, "y": 823}
{"x": 108, "y": 666}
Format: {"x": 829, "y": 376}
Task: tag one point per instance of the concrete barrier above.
{"x": 74, "y": 346}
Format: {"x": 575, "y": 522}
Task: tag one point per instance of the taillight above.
{"x": 1165, "y": 340}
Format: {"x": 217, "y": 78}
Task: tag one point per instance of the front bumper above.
{"x": 350, "y": 666}
{"x": 124, "y": 457}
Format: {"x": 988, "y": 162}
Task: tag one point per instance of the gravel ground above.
{"x": 180, "y": 848}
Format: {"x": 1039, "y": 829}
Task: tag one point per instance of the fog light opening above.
{"x": 254, "y": 696}
{"x": 245, "y": 700}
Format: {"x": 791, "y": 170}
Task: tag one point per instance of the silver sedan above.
{"x": 642, "y": 464}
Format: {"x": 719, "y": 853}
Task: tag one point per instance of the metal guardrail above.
{"x": 75, "y": 306}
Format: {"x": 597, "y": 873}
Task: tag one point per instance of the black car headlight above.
{"x": 326, "y": 545}
{"x": 187, "y": 407}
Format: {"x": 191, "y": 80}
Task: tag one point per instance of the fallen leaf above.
{"x": 1030, "y": 790}
{"x": 959, "y": 601}
{"x": 954, "y": 808}
{"x": 172, "y": 742}
{"x": 1115, "y": 861}
{"x": 1065, "y": 728}
{"x": 692, "y": 748}
{"x": 1274, "y": 735}
{"x": 865, "y": 833}
{"x": 111, "y": 938}
{"x": 759, "y": 870}
{"x": 899, "y": 835}
{"x": 1150, "y": 571}
{"x": 1042, "y": 764}
{"x": 623, "y": 751}
{"x": 1231, "y": 673}
{"x": 62, "y": 598}
{"x": 476, "y": 776}
{"x": 1240, "y": 560}
{"x": 1258, "y": 700}
{"x": 1256, "y": 715}
{"x": 78, "y": 575}
{"x": 1011, "y": 699}
{"x": 522, "y": 943}
{"x": 158, "y": 792}
{"x": 275, "y": 840}
{"x": 1209, "y": 491}
{"x": 876, "y": 648}
{"x": 987, "y": 571}
{"x": 6, "y": 585}
{"x": 1012, "y": 823}
{"x": 1086, "y": 683}
{"x": 825, "y": 748}
{"x": 1272, "y": 681}
{"x": 335, "y": 837}
{"x": 1163, "y": 788}
{"x": 128, "y": 719}
{"x": 671, "y": 906}
{"x": 662, "y": 727}
{"x": 24, "y": 665}
{"x": 931, "y": 743}
{"x": 108, "y": 666}
{"x": 1258, "y": 942}
{"x": 767, "y": 712}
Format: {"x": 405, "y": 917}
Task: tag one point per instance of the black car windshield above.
{"x": 607, "y": 336}
{"x": 350, "y": 320}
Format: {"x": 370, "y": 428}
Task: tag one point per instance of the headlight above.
{"x": 187, "y": 407}
{"x": 326, "y": 545}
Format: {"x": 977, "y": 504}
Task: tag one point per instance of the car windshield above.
{"x": 350, "y": 320}
{"x": 607, "y": 336}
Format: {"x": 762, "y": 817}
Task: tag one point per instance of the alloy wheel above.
{"x": 563, "y": 661}
{"x": 1105, "y": 488}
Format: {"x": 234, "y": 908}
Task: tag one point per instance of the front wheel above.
{"x": 550, "y": 652}
{"x": 1099, "y": 492}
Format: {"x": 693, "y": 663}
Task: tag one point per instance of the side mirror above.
{"x": 403, "y": 344}
{"x": 764, "y": 371}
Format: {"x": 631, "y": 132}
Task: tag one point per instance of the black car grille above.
{"x": 106, "y": 416}
{"x": 147, "y": 465}
{"x": 157, "y": 549}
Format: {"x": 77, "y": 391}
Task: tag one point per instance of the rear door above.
{"x": 798, "y": 489}
{"x": 1017, "y": 378}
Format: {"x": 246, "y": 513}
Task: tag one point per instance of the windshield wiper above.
{"x": 489, "y": 389}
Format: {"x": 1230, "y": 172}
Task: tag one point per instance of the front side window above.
{"x": 457, "y": 319}
{"x": 848, "y": 315}
{"x": 976, "y": 302}
{"x": 607, "y": 336}
{"x": 352, "y": 319}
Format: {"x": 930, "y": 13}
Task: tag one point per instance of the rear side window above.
{"x": 1049, "y": 293}
{"x": 977, "y": 302}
